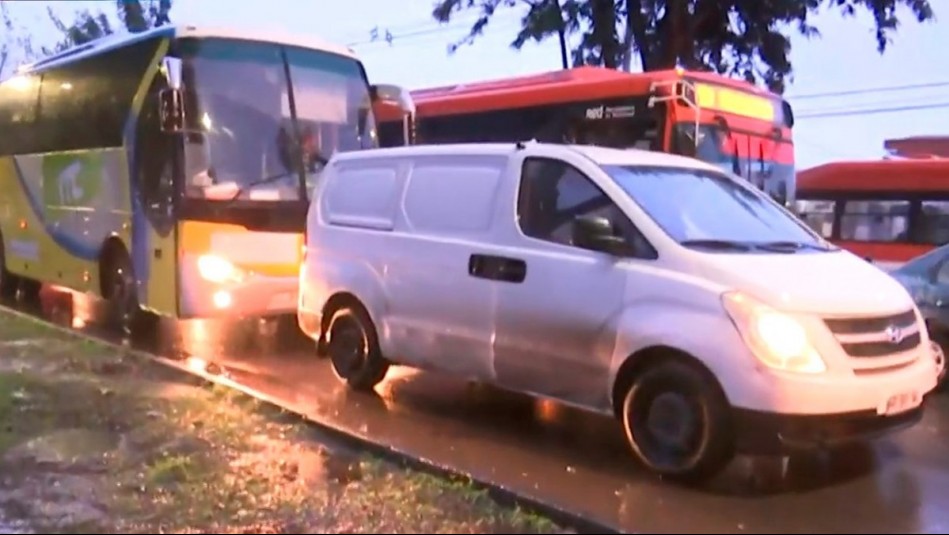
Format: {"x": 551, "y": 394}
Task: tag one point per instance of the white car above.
{"x": 652, "y": 287}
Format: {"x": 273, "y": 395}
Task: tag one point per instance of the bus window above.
{"x": 819, "y": 215}
{"x": 617, "y": 133}
{"x": 880, "y": 221}
{"x": 934, "y": 222}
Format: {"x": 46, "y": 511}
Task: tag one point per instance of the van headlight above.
{"x": 775, "y": 338}
{"x": 217, "y": 269}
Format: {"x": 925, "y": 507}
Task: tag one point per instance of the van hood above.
{"x": 822, "y": 283}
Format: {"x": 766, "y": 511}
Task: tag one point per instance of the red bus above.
{"x": 730, "y": 123}
{"x": 887, "y": 211}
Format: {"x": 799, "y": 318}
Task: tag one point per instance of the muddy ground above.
{"x": 94, "y": 440}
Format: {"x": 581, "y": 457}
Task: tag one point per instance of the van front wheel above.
{"x": 353, "y": 348}
{"x": 677, "y": 422}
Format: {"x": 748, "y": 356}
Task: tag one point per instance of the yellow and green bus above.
{"x": 169, "y": 171}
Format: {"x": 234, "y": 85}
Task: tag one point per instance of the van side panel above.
{"x": 399, "y": 233}
{"x": 355, "y": 207}
{"x": 440, "y": 316}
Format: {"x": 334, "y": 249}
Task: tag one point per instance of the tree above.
{"x": 135, "y": 15}
{"x": 15, "y": 42}
{"x": 747, "y": 38}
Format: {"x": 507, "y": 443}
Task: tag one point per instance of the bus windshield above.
{"x": 751, "y": 157}
{"x": 243, "y": 142}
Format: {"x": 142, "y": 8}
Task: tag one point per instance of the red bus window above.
{"x": 817, "y": 214}
{"x": 879, "y": 221}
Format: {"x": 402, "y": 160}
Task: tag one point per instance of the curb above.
{"x": 501, "y": 494}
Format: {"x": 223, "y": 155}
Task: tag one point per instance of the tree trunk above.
{"x": 636, "y": 36}
{"x": 561, "y": 33}
{"x": 604, "y": 32}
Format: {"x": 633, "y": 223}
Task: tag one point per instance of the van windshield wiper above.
{"x": 790, "y": 246}
{"x": 727, "y": 245}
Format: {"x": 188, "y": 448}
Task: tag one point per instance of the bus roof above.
{"x": 876, "y": 175}
{"x": 118, "y": 40}
{"x": 553, "y": 87}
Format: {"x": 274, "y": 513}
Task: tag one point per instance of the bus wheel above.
{"x": 121, "y": 294}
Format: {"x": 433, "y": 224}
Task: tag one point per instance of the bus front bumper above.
{"x": 258, "y": 295}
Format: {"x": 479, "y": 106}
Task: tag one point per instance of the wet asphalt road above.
{"x": 579, "y": 462}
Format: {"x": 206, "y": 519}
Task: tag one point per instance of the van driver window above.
{"x": 553, "y": 194}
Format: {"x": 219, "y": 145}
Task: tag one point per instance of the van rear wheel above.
{"x": 677, "y": 422}
{"x": 352, "y": 345}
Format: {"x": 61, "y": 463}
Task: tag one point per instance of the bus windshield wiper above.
{"x": 260, "y": 182}
{"x": 728, "y": 245}
{"x": 317, "y": 157}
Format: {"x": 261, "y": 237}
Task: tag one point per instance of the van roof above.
{"x": 601, "y": 155}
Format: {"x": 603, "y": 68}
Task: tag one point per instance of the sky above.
{"x": 844, "y": 59}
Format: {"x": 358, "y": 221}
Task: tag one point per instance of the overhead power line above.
{"x": 874, "y": 111}
{"x": 868, "y": 90}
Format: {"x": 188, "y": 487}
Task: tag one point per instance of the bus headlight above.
{"x": 217, "y": 269}
{"x": 776, "y": 339}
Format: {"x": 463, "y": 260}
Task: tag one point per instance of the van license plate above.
{"x": 901, "y": 403}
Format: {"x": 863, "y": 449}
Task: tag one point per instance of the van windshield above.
{"x": 708, "y": 210}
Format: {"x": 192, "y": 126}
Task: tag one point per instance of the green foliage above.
{"x": 134, "y": 15}
{"x": 16, "y": 44}
{"x": 745, "y": 38}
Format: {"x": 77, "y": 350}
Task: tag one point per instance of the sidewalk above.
{"x": 94, "y": 441}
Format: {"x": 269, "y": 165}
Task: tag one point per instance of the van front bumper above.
{"x": 772, "y": 433}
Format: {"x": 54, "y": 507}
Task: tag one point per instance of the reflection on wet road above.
{"x": 579, "y": 462}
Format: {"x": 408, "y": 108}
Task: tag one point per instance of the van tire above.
{"x": 692, "y": 401}
{"x": 352, "y": 346}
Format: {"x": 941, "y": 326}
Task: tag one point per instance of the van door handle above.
{"x": 499, "y": 268}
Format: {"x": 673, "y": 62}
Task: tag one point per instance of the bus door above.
{"x": 154, "y": 234}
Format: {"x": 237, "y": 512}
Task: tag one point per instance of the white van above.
{"x": 655, "y": 288}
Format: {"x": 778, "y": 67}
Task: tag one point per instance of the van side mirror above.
{"x": 596, "y": 233}
{"x": 171, "y": 111}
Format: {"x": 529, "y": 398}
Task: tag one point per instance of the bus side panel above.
{"x": 20, "y": 222}
{"x": 77, "y": 200}
{"x": 157, "y": 254}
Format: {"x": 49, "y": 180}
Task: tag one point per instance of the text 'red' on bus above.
{"x": 730, "y": 123}
{"x": 888, "y": 211}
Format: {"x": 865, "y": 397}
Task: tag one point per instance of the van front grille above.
{"x": 871, "y": 324}
{"x": 879, "y": 336}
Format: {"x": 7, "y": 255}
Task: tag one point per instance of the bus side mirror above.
{"x": 788, "y": 113}
{"x": 170, "y": 102}
{"x": 401, "y": 97}
{"x": 171, "y": 111}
